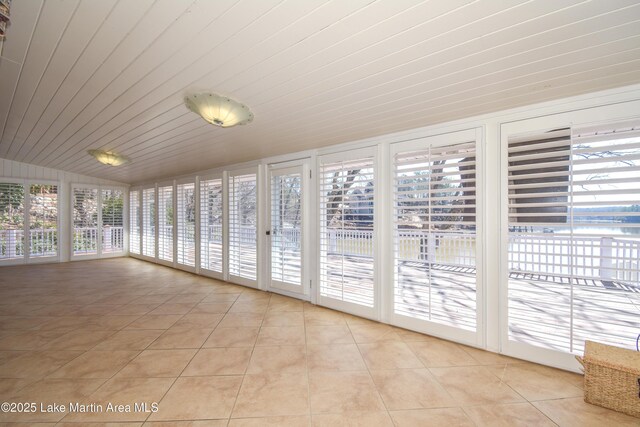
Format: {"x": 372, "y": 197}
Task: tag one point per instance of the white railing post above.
{"x": 11, "y": 245}
{"x": 106, "y": 239}
{"x": 333, "y": 244}
{"x": 606, "y": 258}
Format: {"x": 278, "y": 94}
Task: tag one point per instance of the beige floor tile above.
{"x": 278, "y": 359}
{"x": 187, "y": 298}
{"x": 232, "y": 337}
{"x": 199, "y": 398}
{"x": 149, "y": 321}
{"x": 323, "y": 316}
{"x": 11, "y": 386}
{"x": 181, "y": 338}
{"x": 96, "y": 309}
{"x": 22, "y": 323}
{"x": 95, "y": 364}
{"x": 219, "y": 361}
{"x": 64, "y": 323}
{"x": 283, "y": 318}
{"x": 574, "y": 412}
{"x": 297, "y": 421}
{"x": 353, "y": 419}
{"x": 412, "y": 336}
{"x": 265, "y": 395}
{"x": 475, "y": 385}
{"x": 172, "y": 308}
{"x": 328, "y": 334}
{"x": 37, "y": 364}
{"x": 489, "y": 358}
{"x": 443, "y": 417}
{"x": 130, "y": 339}
{"x": 338, "y": 392}
{"x": 341, "y": 357}
{"x": 508, "y": 415}
{"x": 126, "y": 392}
{"x": 109, "y": 323}
{"x": 212, "y": 308}
{"x": 9, "y": 355}
{"x": 411, "y": 389}
{"x": 29, "y": 340}
{"x": 368, "y": 333}
{"x": 437, "y": 353}
{"x": 207, "y": 423}
{"x": 79, "y": 340}
{"x": 536, "y": 382}
{"x": 134, "y": 309}
{"x": 257, "y": 306}
{"x": 217, "y": 297}
{"x": 199, "y": 321}
{"x": 389, "y": 355}
{"x": 158, "y": 364}
{"x": 285, "y": 305}
{"x": 281, "y": 335}
{"x": 50, "y": 392}
{"x": 236, "y": 320}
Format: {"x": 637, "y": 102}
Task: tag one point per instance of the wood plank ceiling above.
{"x": 111, "y": 74}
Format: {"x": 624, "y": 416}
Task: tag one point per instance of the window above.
{"x": 40, "y": 225}
{"x": 12, "y": 221}
{"x": 98, "y": 221}
{"x": 112, "y": 204}
{"x": 186, "y": 223}
{"x": 149, "y": 222}
{"x": 434, "y": 192}
{"x": 85, "y": 221}
{"x": 243, "y": 226}
{"x": 574, "y": 237}
{"x": 347, "y": 231}
{"x": 211, "y": 246}
{"x": 165, "y": 223}
{"x": 134, "y": 222}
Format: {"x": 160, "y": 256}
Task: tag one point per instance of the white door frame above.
{"x": 302, "y": 166}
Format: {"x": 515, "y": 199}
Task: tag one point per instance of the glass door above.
{"x": 285, "y": 235}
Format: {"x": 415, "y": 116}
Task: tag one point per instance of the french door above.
{"x": 571, "y": 227}
{"x": 286, "y": 235}
{"x": 347, "y": 247}
{"x": 435, "y": 235}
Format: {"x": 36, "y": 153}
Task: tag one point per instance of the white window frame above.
{"x": 125, "y": 222}
{"x": 576, "y": 118}
{"x": 196, "y": 200}
{"x": 128, "y": 216}
{"x": 159, "y": 260}
{"x": 373, "y": 312}
{"x": 474, "y": 338}
{"x": 153, "y": 258}
{"x": 26, "y": 258}
{"x": 229, "y": 277}
{"x": 225, "y": 209}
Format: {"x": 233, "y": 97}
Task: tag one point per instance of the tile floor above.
{"x": 213, "y": 354}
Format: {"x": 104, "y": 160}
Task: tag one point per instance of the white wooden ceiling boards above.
{"x": 109, "y": 74}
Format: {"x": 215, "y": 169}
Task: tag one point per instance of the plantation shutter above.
{"x": 243, "y": 226}
{"x": 286, "y": 227}
{"x": 211, "y": 244}
{"x": 149, "y": 222}
{"x": 112, "y": 204}
{"x": 12, "y": 220}
{"x": 434, "y": 191}
{"x": 85, "y": 221}
{"x": 134, "y": 222}
{"x": 165, "y": 223}
{"x": 186, "y": 223}
{"x": 574, "y": 242}
{"x": 43, "y": 220}
{"x": 346, "y": 231}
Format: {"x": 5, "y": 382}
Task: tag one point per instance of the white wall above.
{"x": 17, "y": 170}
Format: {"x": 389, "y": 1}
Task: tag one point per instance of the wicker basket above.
{"x": 612, "y": 377}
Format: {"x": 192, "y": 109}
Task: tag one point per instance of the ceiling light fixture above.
{"x": 109, "y": 158}
{"x": 219, "y": 110}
